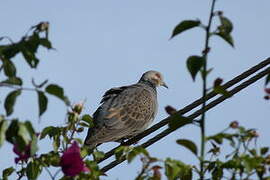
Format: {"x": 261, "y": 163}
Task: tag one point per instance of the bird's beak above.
{"x": 164, "y": 85}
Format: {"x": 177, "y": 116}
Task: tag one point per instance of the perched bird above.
{"x": 125, "y": 111}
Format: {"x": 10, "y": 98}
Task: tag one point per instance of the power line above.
{"x": 191, "y": 107}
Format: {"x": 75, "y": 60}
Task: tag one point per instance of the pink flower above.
{"x": 71, "y": 161}
{"x": 23, "y": 154}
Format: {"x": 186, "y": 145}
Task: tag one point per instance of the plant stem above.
{"x": 205, "y": 53}
{"x": 56, "y": 173}
{"x": 17, "y": 87}
{"x": 50, "y": 174}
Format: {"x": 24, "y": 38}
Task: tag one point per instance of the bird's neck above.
{"x": 148, "y": 83}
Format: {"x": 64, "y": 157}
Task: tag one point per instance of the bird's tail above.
{"x": 90, "y": 142}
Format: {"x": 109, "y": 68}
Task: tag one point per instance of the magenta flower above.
{"x": 71, "y": 161}
{"x": 23, "y": 154}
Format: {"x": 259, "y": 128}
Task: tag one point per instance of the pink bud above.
{"x": 267, "y": 90}
{"x": 234, "y": 124}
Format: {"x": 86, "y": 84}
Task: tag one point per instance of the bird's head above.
{"x": 154, "y": 77}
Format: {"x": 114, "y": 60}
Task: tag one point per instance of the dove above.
{"x": 125, "y": 111}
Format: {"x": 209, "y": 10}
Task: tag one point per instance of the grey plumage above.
{"x": 125, "y": 111}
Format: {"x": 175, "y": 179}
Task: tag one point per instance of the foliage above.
{"x": 246, "y": 160}
{"x": 22, "y": 135}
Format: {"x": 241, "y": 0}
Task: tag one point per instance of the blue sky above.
{"x": 104, "y": 44}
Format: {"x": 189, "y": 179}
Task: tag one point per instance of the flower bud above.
{"x": 205, "y": 51}
{"x": 78, "y": 108}
{"x": 220, "y": 13}
{"x": 218, "y": 82}
{"x": 43, "y": 26}
{"x": 254, "y": 133}
{"x": 267, "y": 160}
{"x": 170, "y": 110}
{"x": 234, "y": 124}
{"x": 156, "y": 172}
{"x": 266, "y": 97}
{"x": 267, "y": 90}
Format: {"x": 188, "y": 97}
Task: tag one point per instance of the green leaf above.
{"x": 7, "y": 172}
{"x": 194, "y": 65}
{"x": 33, "y": 170}
{"x": 218, "y": 138}
{"x": 133, "y": 152}
{"x": 30, "y": 128}
{"x": 88, "y": 119}
{"x": 217, "y": 173}
{"x": 177, "y": 121}
{"x": 3, "y": 129}
{"x": 84, "y": 152}
{"x": 51, "y": 131}
{"x": 18, "y": 134}
{"x": 130, "y": 156}
{"x": 45, "y": 132}
{"x": 253, "y": 152}
{"x": 9, "y": 68}
{"x": 184, "y": 25}
{"x": 177, "y": 170}
{"x": 264, "y": 150}
{"x": 45, "y": 42}
{"x": 210, "y": 166}
{"x": 33, "y": 146}
{"x": 188, "y": 175}
{"x": 140, "y": 149}
{"x": 189, "y": 145}
{"x": 85, "y": 124}
{"x": 226, "y": 24}
{"x": 9, "y": 51}
{"x": 230, "y": 164}
{"x": 56, "y": 142}
{"x": 12, "y": 131}
{"x": 98, "y": 155}
{"x": 119, "y": 152}
{"x": 13, "y": 81}
{"x": 55, "y": 159}
{"x": 221, "y": 90}
{"x": 10, "y": 101}
{"x": 206, "y": 73}
{"x": 267, "y": 79}
{"x": 23, "y": 133}
{"x": 42, "y": 102}
{"x": 31, "y": 43}
{"x": 227, "y": 37}
{"x": 30, "y": 58}
{"x": 28, "y": 49}
{"x": 250, "y": 163}
{"x": 57, "y": 91}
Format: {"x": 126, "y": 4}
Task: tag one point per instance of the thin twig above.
{"x": 16, "y": 87}
{"x": 50, "y": 174}
{"x": 56, "y": 173}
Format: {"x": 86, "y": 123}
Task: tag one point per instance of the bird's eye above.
{"x": 158, "y": 76}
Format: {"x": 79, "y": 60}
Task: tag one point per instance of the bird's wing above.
{"x": 132, "y": 108}
{"x": 124, "y": 111}
{"x": 108, "y": 97}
